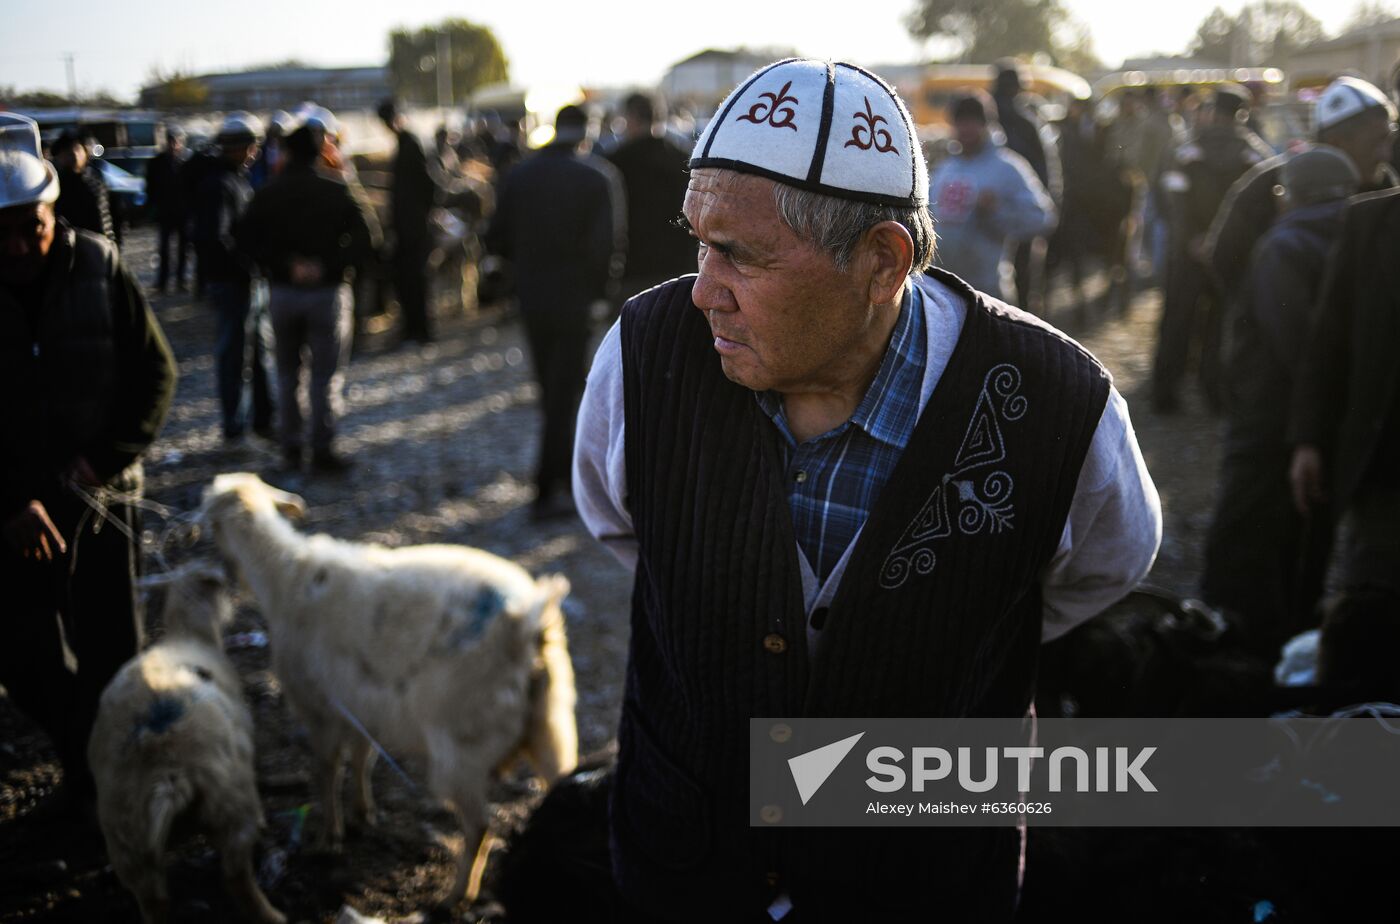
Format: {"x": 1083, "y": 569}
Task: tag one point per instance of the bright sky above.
{"x": 603, "y": 43}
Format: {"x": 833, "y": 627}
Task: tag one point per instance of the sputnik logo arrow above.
{"x": 810, "y": 770}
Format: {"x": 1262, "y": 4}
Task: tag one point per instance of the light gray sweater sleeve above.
{"x": 1112, "y": 532}
{"x": 600, "y": 462}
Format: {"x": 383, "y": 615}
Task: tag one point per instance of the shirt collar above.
{"x": 884, "y": 411}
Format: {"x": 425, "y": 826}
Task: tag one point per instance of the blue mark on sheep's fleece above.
{"x": 163, "y": 713}
{"x": 484, "y": 607}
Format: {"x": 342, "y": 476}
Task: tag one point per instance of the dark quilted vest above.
{"x": 938, "y": 613}
{"x": 61, "y": 382}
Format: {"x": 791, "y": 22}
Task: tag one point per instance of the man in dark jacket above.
{"x": 83, "y": 200}
{"x": 309, "y": 233}
{"x": 1263, "y": 560}
{"x": 91, "y": 379}
{"x": 654, "y": 175}
{"x": 1028, "y": 135}
{"x": 166, "y": 194}
{"x": 1351, "y": 116}
{"x": 243, "y": 335}
{"x": 1194, "y": 179}
{"x": 412, "y": 197}
{"x": 1346, "y": 412}
{"x": 560, "y": 221}
{"x": 773, "y": 445}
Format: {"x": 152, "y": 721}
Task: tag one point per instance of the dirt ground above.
{"x": 444, "y": 437}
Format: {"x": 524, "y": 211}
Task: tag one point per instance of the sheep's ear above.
{"x": 289, "y": 505}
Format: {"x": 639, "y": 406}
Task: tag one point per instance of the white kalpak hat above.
{"x": 25, "y": 176}
{"x": 830, "y": 127}
{"x": 1346, "y": 97}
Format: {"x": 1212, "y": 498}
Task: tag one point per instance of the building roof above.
{"x": 291, "y": 76}
{"x": 756, "y": 57}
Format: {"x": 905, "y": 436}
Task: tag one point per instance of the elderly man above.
{"x": 846, "y": 489}
{"x": 90, "y": 378}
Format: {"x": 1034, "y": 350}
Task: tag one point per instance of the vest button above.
{"x": 775, "y": 643}
{"x": 781, "y": 733}
{"x": 800, "y": 477}
{"x": 770, "y": 814}
{"x": 772, "y": 878}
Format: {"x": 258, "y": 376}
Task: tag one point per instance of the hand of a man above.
{"x": 1305, "y": 476}
{"x": 32, "y": 534}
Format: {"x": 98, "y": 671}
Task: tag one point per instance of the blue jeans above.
{"x": 319, "y": 319}
{"x": 243, "y": 350}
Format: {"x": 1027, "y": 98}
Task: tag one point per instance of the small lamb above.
{"x": 173, "y": 738}
{"x": 442, "y": 651}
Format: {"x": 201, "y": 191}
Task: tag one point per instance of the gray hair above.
{"x": 836, "y": 225}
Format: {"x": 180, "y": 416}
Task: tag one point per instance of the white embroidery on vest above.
{"x": 973, "y": 510}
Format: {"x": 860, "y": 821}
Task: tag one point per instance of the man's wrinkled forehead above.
{"x": 713, "y": 188}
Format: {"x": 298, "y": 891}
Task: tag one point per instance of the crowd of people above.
{"x": 1176, "y": 186}
{"x": 839, "y": 333}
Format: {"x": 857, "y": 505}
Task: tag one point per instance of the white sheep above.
{"x": 446, "y": 652}
{"x": 173, "y": 739}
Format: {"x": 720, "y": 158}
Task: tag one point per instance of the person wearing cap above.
{"x": 849, "y": 485}
{"x": 271, "y": 158}
{"x": 1264, "y": 562}
{"x": 166, "y": 194}
{"x": 243, "y": 336}
{"x": 309, "y": 233}
{"x": 1194, "y": 179}
{"x": 83, "y": 200}
{"x": 89, "y": 379}
{"x": 987, "y": 200}
{"x": 1345, "y": 425}
{"x": 561, "y": 221}
{"x": 1028, "y": 135}
{"x": 414, "y": 193}
{"x": 1351, "y": 116}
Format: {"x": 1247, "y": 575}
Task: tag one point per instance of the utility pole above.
{"x": 72, "y": 79}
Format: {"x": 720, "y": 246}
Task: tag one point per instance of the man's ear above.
{"x": 887, "y": 250}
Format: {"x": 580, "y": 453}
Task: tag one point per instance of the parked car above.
{"x": 127, "y": 191}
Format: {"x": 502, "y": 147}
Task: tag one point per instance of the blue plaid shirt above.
{"x": 833, "y": 479}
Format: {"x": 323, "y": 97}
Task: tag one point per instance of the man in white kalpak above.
{"x": 849, "y": 485}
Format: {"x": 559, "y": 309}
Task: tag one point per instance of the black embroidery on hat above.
{"x": 868, "y": 135}
{"x": 775, "y": 111}
{"x": 814, "y": 172}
